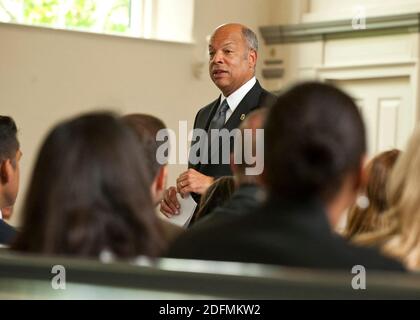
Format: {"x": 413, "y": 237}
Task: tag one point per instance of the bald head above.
{"x": 233, "y": 57}
{"x": 248, "y": 35}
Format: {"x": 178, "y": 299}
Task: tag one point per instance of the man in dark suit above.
{"x": 9, "y": 175}
{"x": 314, "y": 149}
{"x": 248, "y": 193}
{"x": 233, "y": 56}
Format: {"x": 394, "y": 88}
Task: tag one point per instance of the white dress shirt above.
{"x": 1, "y": 216}
{"x": 235, "y": 98}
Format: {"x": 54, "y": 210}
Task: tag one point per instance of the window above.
{"x": 152, "y": 19}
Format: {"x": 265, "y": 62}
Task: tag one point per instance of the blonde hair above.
{"x": 401, "y": 238}
{"x": 370, "y": 219}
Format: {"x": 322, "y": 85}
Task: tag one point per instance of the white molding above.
{"x": 367, "y": 70}
{"x": 372, "y": 10}
{"x": 391, "y": 69}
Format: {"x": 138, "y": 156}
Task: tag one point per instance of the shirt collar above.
{"x": 1, "y": 215}
{"x": 235, "y": 98}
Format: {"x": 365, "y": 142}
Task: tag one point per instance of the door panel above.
{"x": 387, "y": 109}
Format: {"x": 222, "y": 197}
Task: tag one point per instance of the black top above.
{"x": 7, "y": 233}
{"x": 278, "y": 233}
{"x": 244, "y": 200}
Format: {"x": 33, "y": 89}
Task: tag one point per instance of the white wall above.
{"x": 297, "y": 11}
{"x": 334, "y": 9}
{"x": 169, "y": 26}
{"x": 48, "y": 75}
{"x": 381, "y": 72}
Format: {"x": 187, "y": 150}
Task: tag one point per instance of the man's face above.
{"x": 232, "y": 63}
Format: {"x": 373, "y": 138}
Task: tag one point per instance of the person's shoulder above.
{"x": 7, "y": 233}
{"x": 204, "y": 113}
{"x": 191, "y": 243}
{"x": 370, "y": 257}
{"x": 170, "y": 231}
{"x": 267, "y": 98}
{"x": 5, "y": 226}
{"x": 209, "y": 106}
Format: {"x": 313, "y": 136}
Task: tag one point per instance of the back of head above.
{"x": 146, "y": 127}
{"x": 90, "y": 192}
{"x": 362, "y": 220}
{"x": 314, "y": 137}
{"x": 9, "y": 165}
{"x": 9, "y": 144}
{"x": 216, "y": 195}
{"x": 379, "y": 171}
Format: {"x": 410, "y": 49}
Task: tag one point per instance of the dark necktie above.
{"x": 219, "y": 119}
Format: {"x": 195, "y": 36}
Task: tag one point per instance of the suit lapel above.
{"x": 203, "y": 122}
{"x": 210, "y": 116}
{"x": 248, "y": 103}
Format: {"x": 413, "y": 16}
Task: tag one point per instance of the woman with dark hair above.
{"x": 90, "y": 193}
{"x": 315, "y": 145}
{"x": 364, "y": 220}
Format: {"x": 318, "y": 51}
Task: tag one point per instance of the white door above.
{"x": 388, "y": 110}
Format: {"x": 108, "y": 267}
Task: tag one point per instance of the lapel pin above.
{"x": 243, "y": 117}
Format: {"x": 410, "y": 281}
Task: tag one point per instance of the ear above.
{"x": 6, "y": 171}
{"x": 252, "y": 58}
{"x": 159, "y": 184}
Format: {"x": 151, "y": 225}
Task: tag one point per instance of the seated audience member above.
{"x": 363, "y": 220}
{"x": 146, "y": 128}
{"x": 248, "y": 194}
{"x": 216, "y": 196}
{"x": 314, "y": 149}
{"x": 9, "y": 175}
{"x": 401, "y": 237}
{"x": 90, "y": 194}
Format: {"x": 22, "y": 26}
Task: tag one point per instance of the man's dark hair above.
{"x": 89, "y": 192}
{"x": 314, "y": 136}
{"x": 9, "y": 143}
{"x": 146, "y": 128}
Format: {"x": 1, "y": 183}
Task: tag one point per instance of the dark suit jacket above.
{"x": 7, "y": 233}
{"x": 245, "y": 199}
{"x": 278, "y": 233}
{"x": 255, "y": 98}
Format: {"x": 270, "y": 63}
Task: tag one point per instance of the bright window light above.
{"x": 170, "y": 20}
